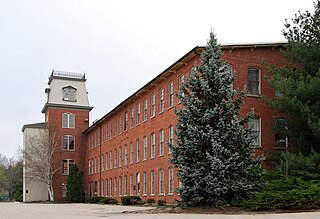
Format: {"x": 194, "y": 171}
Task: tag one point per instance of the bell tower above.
{"x": 67, "y": 113}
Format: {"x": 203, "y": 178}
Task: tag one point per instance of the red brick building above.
{"x": 126, "y": 151}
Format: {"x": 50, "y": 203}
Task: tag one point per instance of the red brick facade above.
{"x": 54, "y": 118}
{"x": 124, "y": 133}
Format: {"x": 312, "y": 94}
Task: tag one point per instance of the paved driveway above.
{"x": 88, "y": 211}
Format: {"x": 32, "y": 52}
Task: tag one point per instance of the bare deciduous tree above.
{"x": 39, "y": 158}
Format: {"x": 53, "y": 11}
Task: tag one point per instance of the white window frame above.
{"x": 145, "y": 148}
{"x": 171, "y": 94}
{"x": 66, "y": 169}
{"x": 153, "y": 105}
{"x": 152, "y": 145}
{"x": 258, "y": 145}
{"x": 161, "y": 102}
{"x": 138, "y": 151}
{"x": 161, "y": 142}
{"x": 145, "y": 110}
{"x": 138, "y": 114}
{"x": 67, "y": 142}
{"x": 250, "y": 84}
{"x": 68, "y": 120}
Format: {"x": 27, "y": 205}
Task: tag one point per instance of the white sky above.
{"x": 120, "y": 44}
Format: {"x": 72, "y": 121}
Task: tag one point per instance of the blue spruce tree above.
{"x": 214, "y": 151}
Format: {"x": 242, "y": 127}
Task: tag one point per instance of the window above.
{"x": 89, "y": 167}
{"x": 64, "y": 190}
{"x": 107, "y": 188}
{"x": 120, "y": 124}
{"x": 254, "y": 126}
{"x": 153, "y": 105}
{"x": 125, "y": 154}
{"x": 253, "y": 81}
{"x": 171, "y": 140}
{"x": 107, "y": 164}
{"x": 138, "y": 114}
{"x": 170, "y": 89}
{"x": 126, "y": 121}
{"x": 170, "y": 180}
{"x": 98, "y": 141}
{"x": 115, "y": 187}
{"x": 68, "y": 142}
{"x": 92, "y": 166}
{"x": 280, "y": 130}
{"x": 144, "y": 183}
{"x": 131, "y": 152}
{"x": 102, "y": 162}
{"x": 115, "y": 158}
{"x": 153, "y": 145}
{"x": 145, "y": 109}
{"x": 69, "y": 93}
{"x": 138, "y": 150}
{"x": 102, "y": 187}
{"x": 98, "y": 163}
{"x": 107, "y": 132}
{"x": 120, "y": 157}
{"x": 120, "y": 185}
{"x": 111, "y": 188}
{"x": 115, "y": 127}
{"x": 131, "y": 184}
{"x": 145, "y": 148}
{"x": 161, "y": 146}
{"x": 125, "y": 185}
{"x": 138, "y": 184}
{"x": 110, "y": 160}
{"x": 161, "y": 182}
{"x": 181, "y": 82}
{"x": 66, "y": 164}
{"x": 111, "y": 130}
{"x": 131, "y": 117}
{"x": 102, "y": 134}
{"x": 152, "y": 182}
{"x": 68, "y": 120}
{"x": 95, "y": 165}
{"x": 161, "y": 103}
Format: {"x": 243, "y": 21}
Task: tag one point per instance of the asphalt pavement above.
{"x": 16, "y": 210}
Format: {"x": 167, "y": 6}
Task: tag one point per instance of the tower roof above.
{"x": 67, "y": 75}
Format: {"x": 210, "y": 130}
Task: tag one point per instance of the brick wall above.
{"x": 239, "y": 58}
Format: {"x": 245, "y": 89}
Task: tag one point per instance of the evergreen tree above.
{"x": 74, "y": 185}
{"x": 214, "y": 150}
{"x": 298, "y": 84}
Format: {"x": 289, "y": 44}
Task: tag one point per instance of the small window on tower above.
{"x": 69, "y": 93}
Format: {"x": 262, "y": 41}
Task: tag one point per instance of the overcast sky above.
{"x": 120, "y": 45}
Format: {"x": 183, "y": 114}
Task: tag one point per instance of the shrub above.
{"x": 130, "y": 200}
{"x": 95, "y": 199}
{"x": 161, "y": 203}
{"x": 304, "y": 195}
{"x": 151, "y": 201}
{"x": 107, "y": 200}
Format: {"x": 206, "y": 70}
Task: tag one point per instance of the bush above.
{"x": 109, "y": 201}
{"x": 161, "y": 202}
{"x": 151, "y": 201}
{"x": 130, "y": 200}
{"x": 281, "y": 194}
{"x": 95, "y": 199}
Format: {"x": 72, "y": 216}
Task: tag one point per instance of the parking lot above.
{"x": 89, "y": 211}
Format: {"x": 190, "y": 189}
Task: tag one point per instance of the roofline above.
{"x": 195, "y": 51}
{"x": 35, "y": 125}
{"x": 55, "y": 105}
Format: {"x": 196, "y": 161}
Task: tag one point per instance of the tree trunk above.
{"x": 51, "y": 195}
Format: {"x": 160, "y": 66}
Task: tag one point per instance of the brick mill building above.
{"x": 126, "y": 152}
